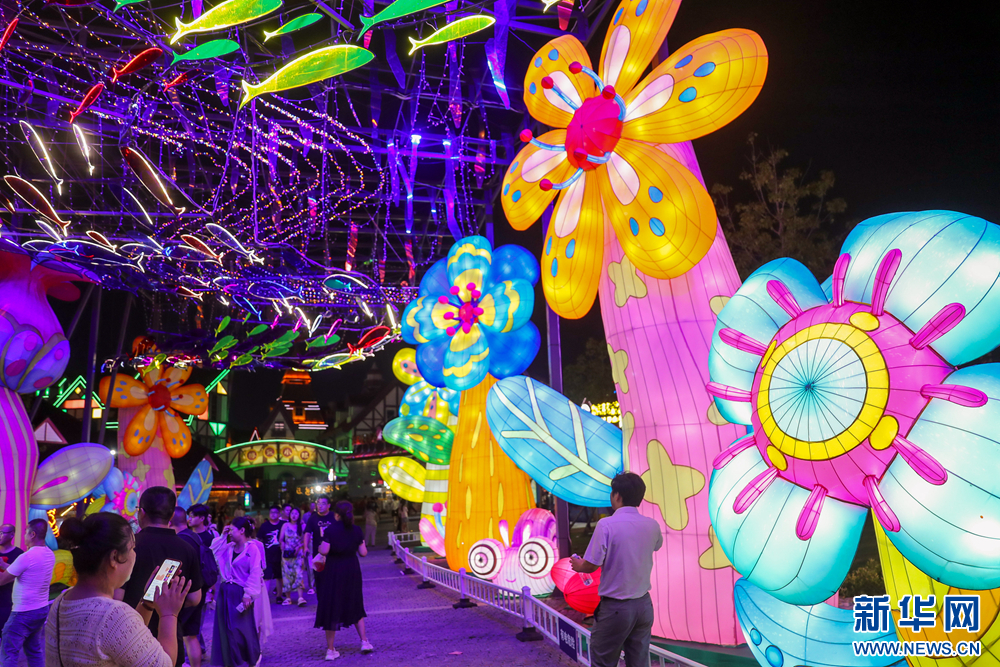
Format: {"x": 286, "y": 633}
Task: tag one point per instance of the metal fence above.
{"x": 538, "y": 620}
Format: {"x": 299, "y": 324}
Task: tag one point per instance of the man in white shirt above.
{"x": 31, "y": 574}
{"x": 623, "y": 545}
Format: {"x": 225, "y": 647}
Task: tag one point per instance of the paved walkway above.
{"x": 408, "y": 627}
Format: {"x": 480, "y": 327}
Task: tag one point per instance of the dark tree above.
{"x": 781, "y": 214}
{"x": 589, "y": 376}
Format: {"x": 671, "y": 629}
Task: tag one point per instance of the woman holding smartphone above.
{"x": 86, "y": 626}
{"x": 235, "y": 642}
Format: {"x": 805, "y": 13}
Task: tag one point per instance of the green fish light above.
{"x": 457, "y": 30}
{"x": 310, "y": 68}
{"x": 226, "y": 15}
{"x": 122, "y": 3}
{"x": 213, "y": 49}
{"x": 294, "y": 24}
{"x": 397, "y": 10}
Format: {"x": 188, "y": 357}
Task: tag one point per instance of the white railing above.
{"x": 538, "y": 620}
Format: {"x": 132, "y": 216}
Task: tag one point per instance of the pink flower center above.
{"x": 468, "y": 313}
{"x": 159, "y": 396}
{"x": 594, "y": 131}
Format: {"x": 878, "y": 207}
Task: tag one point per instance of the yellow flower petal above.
{"x": 553, "y": 60}
{"x": 573, "y": 254}
{"x": 700, "y": 88}
{"x": 638, "y": 28}
{"x": 664, "y": 218}
{"x": 522, "y": 199}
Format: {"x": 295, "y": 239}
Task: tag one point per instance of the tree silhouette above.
{"x": 784, "y": 215}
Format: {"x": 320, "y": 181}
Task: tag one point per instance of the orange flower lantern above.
{"x": 160, "y": 397}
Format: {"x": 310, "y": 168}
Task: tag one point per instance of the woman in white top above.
{"x": 86, "y": 626}
{"x": 262, "y": 603}
{"x": 235, "y": 640}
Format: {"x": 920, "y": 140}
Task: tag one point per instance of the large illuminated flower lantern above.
{"x": 634, "y": 223}
{"x": 472, "y": 325}
{"x": 473, "y": 315}
{"x": 605, "y": 164}
{"x": 161, "y": 397}
{"x": 855, "y": 403}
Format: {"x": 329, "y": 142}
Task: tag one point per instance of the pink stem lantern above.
{"x": 659, "y": 341}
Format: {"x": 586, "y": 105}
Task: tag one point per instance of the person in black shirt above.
{"x": 316, "y": 526}
{"x": 268, "y": 535}
{"x": 155, "y": 543}
{"x": 8, "y": 554}
{"x": 201, "y": 528}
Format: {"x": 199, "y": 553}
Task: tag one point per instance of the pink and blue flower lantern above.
{"x": 855, "y": 403}
{"x": 473, "y": 315}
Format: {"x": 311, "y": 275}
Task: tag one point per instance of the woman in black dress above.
{"x": 339, "y": 601}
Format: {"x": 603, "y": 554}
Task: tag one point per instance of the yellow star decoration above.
{"x": 628, "y": 427}
{"x": 714, "y": 416}
{"x": 141, "y": 469}
{"x": 714, "y": 558}
{"x": 717, "y": 303}
{"x": 619, "y": 362}
{"x": 668, "y": 486}
{"x": 626, "y": 280}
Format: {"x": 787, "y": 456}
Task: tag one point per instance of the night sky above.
{"x": 900, "y": 102}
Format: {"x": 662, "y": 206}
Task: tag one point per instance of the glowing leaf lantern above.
{"x": 404, "y": 476}
{"x": 856, "y": 404}
{"x": 198, "y": 487}
{"x": 568, "y": 452}
{"x": 427, "y": 439}
{"x": 425, "y": 408}
{"x": 70, "y": 474}
{"x": 472, "y": 321}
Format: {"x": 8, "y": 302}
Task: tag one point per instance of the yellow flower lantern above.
{"x": 160, "y": 397}
{"x": 606, "y": 165}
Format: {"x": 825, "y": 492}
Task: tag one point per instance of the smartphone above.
{"x": 163, "y": 577}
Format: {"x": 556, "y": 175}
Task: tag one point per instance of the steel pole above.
{"x": 554, "y": 345}
{"x": 114, "y": 370}
{"x": 88, "y": 400}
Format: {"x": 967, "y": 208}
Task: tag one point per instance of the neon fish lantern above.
{"x": 310, "y": 68}
{"x": 855, "y": 401}
{"x": 463, "y": 27}
{"x": 41, "y": 152}
{"x": 293, "y": 25}
{"x": 396, "y": 10}
{"x": 214, "y": 49}
{"x": 226, "y": 15}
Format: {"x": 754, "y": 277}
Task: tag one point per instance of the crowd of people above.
{"x": 116, "y": 615}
